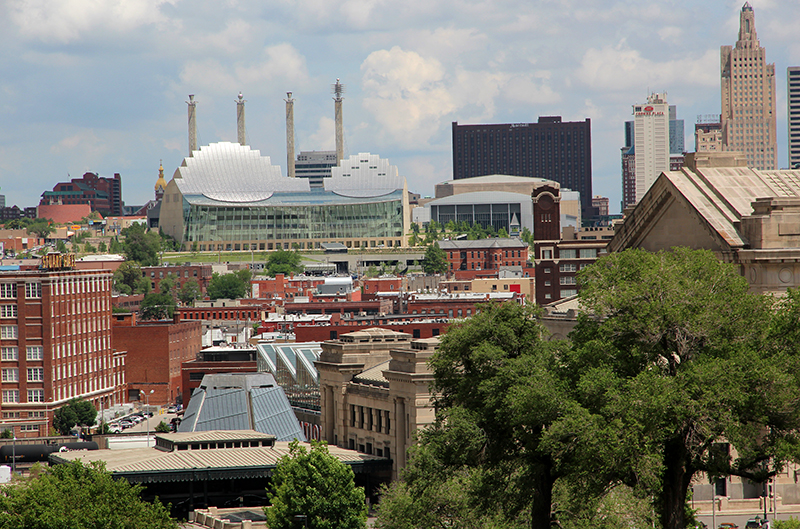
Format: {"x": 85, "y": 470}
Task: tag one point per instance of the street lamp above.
{"x": 147, "y": 417}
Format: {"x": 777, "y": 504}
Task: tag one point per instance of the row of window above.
{"x": 11, "y": 374}
{"x": 12, "y": 395}
{"x": 11, "y": 353}
{"x": 370, "y": 419}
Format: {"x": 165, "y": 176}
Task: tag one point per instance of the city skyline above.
{"x": 103, "y": 89}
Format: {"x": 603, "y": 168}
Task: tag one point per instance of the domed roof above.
{"x": 161, "y": 184}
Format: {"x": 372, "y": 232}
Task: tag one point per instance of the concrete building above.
{"x": 793, "y": 109}
{"x": 102, "y": 194}
{"x": 708, "y": 134}
{"x": 156, "y": 351}
{"x": 549, "y": 148}
{"x": 55, "y": 327}
{"x": 315, "y": 166}
{"x": 748, "y": 97}
{"x": 716, "y": 202}
{"x": 374, "y": 387}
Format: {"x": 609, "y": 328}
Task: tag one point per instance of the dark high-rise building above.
{"x": 793, "y": 102}
{"x": 101, "y": 193}
{"x": 550, "y": 148}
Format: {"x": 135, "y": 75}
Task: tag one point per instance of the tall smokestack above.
{"x": 240, "y": 120}
{"x": 338, "y": 90}
{"x": 192, "y": 125}
{"x": 289, "y": 135}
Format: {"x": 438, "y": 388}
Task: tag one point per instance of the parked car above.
{"x": 728, "y": 525}
{"x": 172, "y": 409}
{"x": 755, "y": 523}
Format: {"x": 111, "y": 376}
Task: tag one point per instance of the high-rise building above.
{"x": 103, "y": 194}
{"x": 793, "y": 104}
{"x": 55, "y": 326}
{"x": 708, "y": 133}
{"x": 315, "y": 166}
{"x": 550, "y": 148}
{"x": 748, "y": 97}
{"x": 654, "y": 143}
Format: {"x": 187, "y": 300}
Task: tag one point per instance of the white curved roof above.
{"x": 230, "y": 172}
{"x": 364, "y": 175}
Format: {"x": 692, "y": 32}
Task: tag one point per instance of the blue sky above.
{"x": 101, "y": 85}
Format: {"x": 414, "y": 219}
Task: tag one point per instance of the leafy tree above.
{"x": 168, "y": 284}
{"x": 80, "y": 497}
{"x": 41, "y": 228}
{"x": 156, "y": 306}
{"x": 88, "y": 248}
{"x": 162, "y": 427}
{"x": 115, "y": 246}
{"x": 127, "y": 277}
{"x": 283, "y": 262}
{"x": 103, "y": 428}
{"x": 435, "y": 260}
{"x": 502, "y": 233}
{"x": 61, "y": 247}
{"x": 189, "y": 292}
{"x": 791, "y": 523}
{"x": 228, "y": 286}
{"x": 7, "y": 433}
{"x": 685, "y": 360}
{"x": 102, "y": 248}
{"x": 76, "y": 412}
{"x": 497, "y": 374}
{"x": 315, "y": 484}
{"x": 141, "y": 246}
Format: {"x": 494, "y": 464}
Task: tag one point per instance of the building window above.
{"x": 10, "y": 374}
{"x": 10, "y": 353}
{"x": 35, "y": 395}
{"x": 8, "y": 311}
{"x": 35, "y": 374}
{"x": 10, "y": 395}
{"x": 567, "y": 292}
{"x": 8, "y": 290}
{"x": 567, "y": 267}
{"x": 589, "y": 253}
{"x": 566, "y": 254}
{"x": 29, "y": 428}
{"x": 546, "y": 270}
{"x": 33, "y": 290}
{"x": 8, "y": 332}
{"x": 547, "y": 254}
{"x": 34, "y": 352}
{"x": 566, "y": 280}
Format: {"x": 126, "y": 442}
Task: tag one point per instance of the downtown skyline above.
{"x": 104, "y": 89}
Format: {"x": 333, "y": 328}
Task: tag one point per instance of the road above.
{"x": 741, "y": 519}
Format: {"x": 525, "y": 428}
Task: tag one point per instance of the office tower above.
{"x": 748, "y": 97}
{"x": 550, "y": 148}
{"x": 102, "y": 193}
{"x": 793, "y": 104}
{"x": 708, "y": 133}
{"x": 316, "y": 166}
{"x": 653, "y": 143}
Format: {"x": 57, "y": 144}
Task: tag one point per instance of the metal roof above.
{"x": 466, "y": 244}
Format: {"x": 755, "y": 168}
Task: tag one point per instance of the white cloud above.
{"x": 68, "y": 20}
{"x": 324, "y": 139}
{"x": 621, "y": 68}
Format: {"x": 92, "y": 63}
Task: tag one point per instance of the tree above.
{"x": 61, "y": 247}
{"x": 685, "y": 360}
{"x": 156, "y": 306}
{"x": 162, "y": 427}
{"x": 102, "y": 247}
{"x": 76, "y": 412}
{"x": 115, "y": 246}
{"x": 497, "y": 372}
{"x": 88, "y": 248}
{"x": 127, "y": 278}
{"x": 283, "y": 262}
{"x": 228, "y": 286}
{"x": 435, "y": 260}
{"x": 315, "y": 484}
{"x": 41, "y": 228}
{"x": 80, "y": 497}
{"x": 141, "y": 246}
{"x": 189, "y": 292}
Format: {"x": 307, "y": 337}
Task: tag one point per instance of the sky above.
{"x": 101, "y": 85}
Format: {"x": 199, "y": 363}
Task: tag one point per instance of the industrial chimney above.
{"x": 240, "y": 120}
{"x": 338, "y": 90}
{"x": 192, "y": 125}
{"x": 289, "y": 135}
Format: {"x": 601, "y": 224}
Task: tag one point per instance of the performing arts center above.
{"x": 227, "y": 196}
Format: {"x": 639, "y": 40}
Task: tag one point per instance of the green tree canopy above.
{"x": 283, "y": 262}
{"x": 128, "y": 279}
{"x": 79, "y": 497}
{"x": 676, "y": 352}
{"x": 141, "y": 246}
{"x": 157, "y": 306}
{"x": 42, "y": 228}
{"x": 315, "y": 484}
{"x": 228, "y": 286}
{"x": 435, "y": 260}
{"x": 73, "y": 413}
{"x": 189, "y": 292}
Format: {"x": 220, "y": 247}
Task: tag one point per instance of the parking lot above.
{"x": 146, "y": 424}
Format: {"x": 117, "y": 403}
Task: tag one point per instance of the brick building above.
{"x": 416, "y": 326}
{"x": 102, "y": 194}
{"x": 456, "y": 305}
{"x": 182, "y": 274}
{"x": 156, "y": 351}
{"x": 558, "y": 259}
{"x": 484, "y": 257}
{"x": 55, "y": 327}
